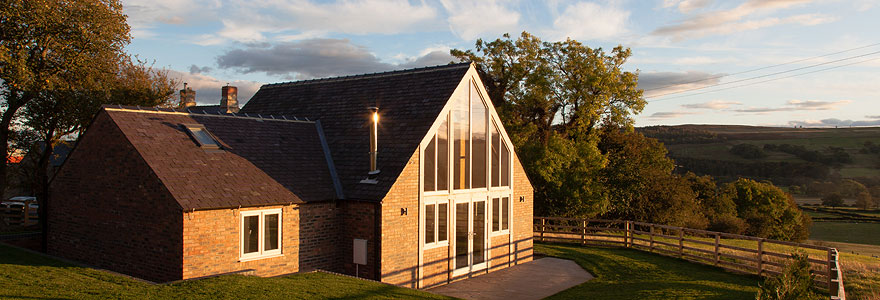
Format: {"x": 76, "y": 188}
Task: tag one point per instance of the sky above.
{"x": 768, "y": 63}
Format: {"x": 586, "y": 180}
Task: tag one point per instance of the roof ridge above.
{"x": 172, "y": 111}
{"x": 369, "y": 75}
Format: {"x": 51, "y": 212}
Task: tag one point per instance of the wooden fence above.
{"x": 15, "y": 216}
{"x": 733, "y": 252}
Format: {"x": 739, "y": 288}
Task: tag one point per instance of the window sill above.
{"x": 499, "y": 233}
{"x": 244, "y": 259}
{"x": 436, "y": 245}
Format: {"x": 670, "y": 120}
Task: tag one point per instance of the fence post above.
{"x": 830, "y": 269}
{"x": 584, "y": 232}
{"x": 760, "y": 257}
{"x": 542, "y": 229}
{"x": 717, "y": 242}
{"x": 680, "y": 242}
{"x": 652, "y": 237}
{"x": 626, "y": 239}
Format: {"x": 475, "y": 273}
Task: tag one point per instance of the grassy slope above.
{"x": 26, "y": 275}
{"x": 632, "y": 274}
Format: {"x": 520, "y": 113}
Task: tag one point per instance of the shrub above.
{"x": 795, "y": 282}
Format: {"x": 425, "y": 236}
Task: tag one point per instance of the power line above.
{"x": 769, "y": 80}
{"x": 765, "y": 75}
{"x": 762, "y": 68}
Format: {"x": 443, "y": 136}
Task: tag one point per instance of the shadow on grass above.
{"x": 631, "y": 274}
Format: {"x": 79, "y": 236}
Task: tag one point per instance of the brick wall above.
{"x": 400, "y": 233}
{"x": 211, "y": 241}
{"x": 523, "y": 212}
{"x": 436, "y": 267}
{"x": 358, "y": 220}
{"x": 108, "y": 209}
{"x": 499, "y": 250}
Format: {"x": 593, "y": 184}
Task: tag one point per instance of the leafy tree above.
{"x": 50, "y": 45}
{"x": 832, "y": 200}
{"x": 794, "y": 283}
{"x": 768, "y": 211}
{"x": 552, "y": 97}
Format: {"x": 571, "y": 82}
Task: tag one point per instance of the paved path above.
{"x": 533, "y": 280}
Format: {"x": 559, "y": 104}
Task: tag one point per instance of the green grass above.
{"x": 632, "y": 274}
{"x": 31, "y": 276}
{"x": 859, "y": 233}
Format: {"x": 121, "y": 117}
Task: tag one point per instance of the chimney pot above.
{"x": 187, "y": 97}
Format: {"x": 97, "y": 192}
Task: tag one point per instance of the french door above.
{"x": 470, "y": 233}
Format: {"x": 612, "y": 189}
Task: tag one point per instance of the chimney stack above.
{"x": 229, "y": 100}
{"x": 187, "y": 97}
{"x": 374, "y": 139}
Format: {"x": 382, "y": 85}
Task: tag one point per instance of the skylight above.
{"x": 202, "y": 136}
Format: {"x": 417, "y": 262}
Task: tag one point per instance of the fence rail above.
{"x": 15, "y": 215}
{"x": 740, "y": 253}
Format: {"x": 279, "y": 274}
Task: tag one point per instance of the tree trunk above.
{"x": 41, "y": 184}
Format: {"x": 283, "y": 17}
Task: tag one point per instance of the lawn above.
{"x": 632, "y": 274}
{"x": 27, "y": 275}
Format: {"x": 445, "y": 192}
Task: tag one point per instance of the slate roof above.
{"x": 262, "y": 161}
{"x": 409, "y": 101}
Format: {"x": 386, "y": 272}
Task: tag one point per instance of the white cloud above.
{"x": 590, "y": 21}
{"x": 669, "y": 115}
{"x": 472, "y": 19}
{"x": 737, "y": 19}
{"x": 686, "y": 6}
{"x": 714, "y": 104}
{"x": 208, "y": 88}
{"x": 834, "y": 122}
{"x": 797, "y": 105}
{"x": 145, "y": 15}
{"x": 660, "y": 83}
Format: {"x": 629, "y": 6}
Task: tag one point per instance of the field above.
{"x": 860, "y": 233}
{"x": 26, "y": 275}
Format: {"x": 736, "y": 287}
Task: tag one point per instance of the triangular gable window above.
{"x": 468, "y": 150}
{"x": 203, "y": 138}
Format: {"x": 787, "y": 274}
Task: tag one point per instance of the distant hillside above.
{"x": 785, "y": 156}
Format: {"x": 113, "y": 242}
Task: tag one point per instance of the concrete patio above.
{"x": 533, "y": 280}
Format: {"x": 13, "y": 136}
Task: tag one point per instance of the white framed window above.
{"x": 501, "y": 206}
{"x": 436, "y": 216}
{"x": 260, "y": 233}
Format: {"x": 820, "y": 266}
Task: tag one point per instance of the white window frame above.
{"x": 493, "y": 221}
{"x": 262, "y": 253}
{"x": 436, "y": 201}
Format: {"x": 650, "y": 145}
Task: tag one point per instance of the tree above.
{"x": 768, "y": 211}
{"x": 48, "y": 45}
{"x": 747, "y": 151}
{"x": 552, "y": 97}
{"x": 832, "y": 200}
{"x": 864, "y": 200}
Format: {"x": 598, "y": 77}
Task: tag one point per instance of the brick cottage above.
{"x": 409, "y": 173}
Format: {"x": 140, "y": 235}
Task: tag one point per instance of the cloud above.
{"x": 686, "y": 6}
{"x": 208, "y": 88}
{"x": 737, "y": 19}
{"x": 797, "y": 105}
{"x": 659, "y": 83}
{"x": 246, "y": 21}
{"x": 193, "y": 69}
{"x": 472, "y": 19}
{"x": 669, "y": 114}
{"x": 315, "y": 58}
{"x": 714, "y": 104}
{"x": 834, "y": 122}
{"x": 590, "y": 21}
{"x": 872, "y": 117}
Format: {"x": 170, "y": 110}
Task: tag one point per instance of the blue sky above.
{"x": 718, "y": 44}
